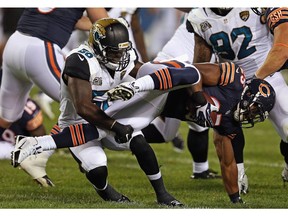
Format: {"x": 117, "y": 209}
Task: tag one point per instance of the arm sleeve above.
{"x": 77, "y": 66}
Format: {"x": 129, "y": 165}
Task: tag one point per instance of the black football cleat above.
{"x": 208, "y": 174}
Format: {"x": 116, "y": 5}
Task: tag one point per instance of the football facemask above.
{"x": 257, "y": 100}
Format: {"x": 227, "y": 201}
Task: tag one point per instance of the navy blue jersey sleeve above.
{"x": 77, "y": 66}
{"x": 276, "y": 16}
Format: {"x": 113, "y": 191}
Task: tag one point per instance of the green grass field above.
{"x": 73, "y": 191}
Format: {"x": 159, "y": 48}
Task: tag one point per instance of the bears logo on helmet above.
{"x": 257, "y": 100}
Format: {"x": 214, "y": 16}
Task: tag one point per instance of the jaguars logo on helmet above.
{"x": 109, "y": 39}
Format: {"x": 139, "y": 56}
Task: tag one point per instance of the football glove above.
{"x": 243, "y": 184}
{"x": 123, "y": 132}
{"x": 123, "y": 91}
{"x": 203, "y": 115}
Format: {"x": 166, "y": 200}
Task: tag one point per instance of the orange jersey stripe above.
{"x": 174, "y": 64}
{"x": 52, "y": 59}
{"x": 163, "y": 78}
{"x": 232, "y": 73}
{"x": 159, "y": 78}
{"x": 55, "y": 130}
{"x": 73, "y": 135}
{"x": 82, "y": 133}
{"x": 78, "y": 135}
{"x": 228, "y": 72}
{"x": 169, "y": 79}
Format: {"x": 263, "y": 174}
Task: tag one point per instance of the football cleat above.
{"x": 36, "y": 168}
{"x": 178, "y": 144}
{"x": 169, "y": 200}
{"x": 208, "y": 174}
{"x": 238, "y": 200}
{"x": 243, "y": 184}
{"x": 110, "y": 194}
{"x": 123, "y": 91}
{"x": 284, "y": 175}
{"x": 24, "y": 147}
{"x": 44, "y": 181}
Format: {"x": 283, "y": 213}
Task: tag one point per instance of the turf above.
{"x": 73, "y": 191}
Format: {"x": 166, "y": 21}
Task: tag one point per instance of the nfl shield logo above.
{"x": 244, "y": 15}
{"x": 205, "y": 26}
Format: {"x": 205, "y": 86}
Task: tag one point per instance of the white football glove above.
{"x": 243, "y": 183}
{"x": 203, "y": 115}
{"x": 123, "y": 91}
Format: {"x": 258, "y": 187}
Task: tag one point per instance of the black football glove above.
{"x": 123, "y": 132}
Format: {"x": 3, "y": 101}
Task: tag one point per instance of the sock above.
{"x": 241, "y": 169}
{"x": 198, "y": 145}
{"x": 200, "y": 167}
{"x": 46, "y": 142}
{"x": 5, "y": 150}
{"x": 284, "y": 150}
{"x": 158, "y": 186}
{"x": 75, "y": 135}
{"x": 144, "y": 83}
{"x": 238, "y": 144}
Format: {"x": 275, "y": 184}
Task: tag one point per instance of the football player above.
{"x": 227, "y": 82}
{"x": 277, "y": 60}
{"x": 165, "y": 129}
{"x": 32, "y": 55}
{"x": 91, "y": 70}
{"x": 238, "y": 35}
{"x": 30, "y": 124}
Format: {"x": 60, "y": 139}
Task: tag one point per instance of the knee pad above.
{"x": 98, "y": 177}
{"x": 138, "y": 144}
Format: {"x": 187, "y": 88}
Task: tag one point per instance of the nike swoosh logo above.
{"x": 81, "y": 58}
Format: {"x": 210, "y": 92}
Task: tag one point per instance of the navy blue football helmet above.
{"x": 257, "y": 100}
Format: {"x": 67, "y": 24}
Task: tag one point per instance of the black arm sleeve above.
{"x": 77, "y": 66}
{"x": 189, "y": 27}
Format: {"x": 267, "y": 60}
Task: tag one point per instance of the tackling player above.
{"x": 277, "y": 60}
{"x": 238, "y": 35}
{"x": 90, "y": 70}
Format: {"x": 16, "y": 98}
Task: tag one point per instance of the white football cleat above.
{"x": 36, "y": 168}
{"x": 24, "y": 147}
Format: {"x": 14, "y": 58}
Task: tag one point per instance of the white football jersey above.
{"x": 239, "y": 36}
{"x": 101, "y": 81}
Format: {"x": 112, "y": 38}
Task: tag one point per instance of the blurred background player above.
{"x": 30, "y": 124}
{"x": 33, "y": 56}
{"x": 165, "y": 129}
